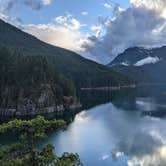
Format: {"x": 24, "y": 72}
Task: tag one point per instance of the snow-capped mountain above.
{"x": 139, "y": 56}
{"x": 147, "y": 65}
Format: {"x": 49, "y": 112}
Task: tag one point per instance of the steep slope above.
{"x": 145, "y": 65}
{"x": 30, "y": 83}
{"x": 36, "y": 76}
{"x": 133, "y": 55}
{"x": 83, "y": 72}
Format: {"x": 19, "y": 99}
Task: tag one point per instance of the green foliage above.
{"x": 68, "y": 159}
{"x": 24, "y": 153}
{"x": 19, "y": 155}
{"x": 30, "y": 130}
{"x": 25, "y": 76}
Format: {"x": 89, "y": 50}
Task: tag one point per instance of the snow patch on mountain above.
{"x": 125, "y": 64}
{"x": 148, "y": 60}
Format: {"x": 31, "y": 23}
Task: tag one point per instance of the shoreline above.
{"x": 111, "y": 87}
{"x": 57, "y": 110}
{"x": 124, "y": 86}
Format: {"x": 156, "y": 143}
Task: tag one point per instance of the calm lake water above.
{"x": 122, "y": 128}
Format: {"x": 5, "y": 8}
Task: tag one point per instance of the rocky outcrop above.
{"x": 39, "y": 100}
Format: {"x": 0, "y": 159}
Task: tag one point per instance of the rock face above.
{"x": 142, "y": 65}
{"x": 131, "y": 56}
{"x": 39, "y": 101}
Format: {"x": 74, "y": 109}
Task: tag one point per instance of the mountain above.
{"x": 141, "y": 64}
{"x": 35, "y": 74}
{"x": 83, "y": 72}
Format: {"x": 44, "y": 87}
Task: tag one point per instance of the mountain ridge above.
{"x": 65, "y": 60}
{"x": 141, "y": 64}
{"x": 135, "y": 54}
{"x": 39, "y": 76}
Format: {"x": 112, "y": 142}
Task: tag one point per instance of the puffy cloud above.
{"x": 104, "y": 157}
{"x": 35, "y": 4}
{"x": 142, "y": 24}
{"x": 107, "y": 5}
{"x": 84, "y": 13}
{"x": 3, "y": 16}
{"x": 65, "y": 32}
{"x": 69, "y": 22}
{"x": 7, "y": 5}
{"x": 47, "y": 2}
{"x": 157, "y": 158}
{"x": 97, "y": 30}
{"x": 158, "y": 6}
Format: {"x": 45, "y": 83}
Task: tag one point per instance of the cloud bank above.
{"x": 34, "y": 4}
{"x": 7, "y": 5}
{"x": 142, "y": 24}
{"x": 63, "y": 32}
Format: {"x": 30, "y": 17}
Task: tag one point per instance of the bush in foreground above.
{"x": 24, "y": 153}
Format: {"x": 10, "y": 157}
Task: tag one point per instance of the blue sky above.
{"x": 94, "y": 8}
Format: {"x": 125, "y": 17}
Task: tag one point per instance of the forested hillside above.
{"x": 31, "y": 78}
{"x": 83, "y": 72}
{"x": 35, "y": 74}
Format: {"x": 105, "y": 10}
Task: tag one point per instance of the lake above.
{"x": 119, "y": 128}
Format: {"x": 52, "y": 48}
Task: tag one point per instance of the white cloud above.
{"x": 159, "y": 6}
{"x": 107, "y": 5}
{"x": 3, "y": 16}
{"x": 84, "y": 13}
{"x": 7, "y": 5}
{"x": 97, "y": 29}
{"x": 34, "y": 4}
{"x": 157, "y": 158}
{"x": 69, "y": 22}
{"x": 143, "y": 24}
{"x": 1, "y": 10}
{"x": 104, "y": 157}
{"x": 65, "y": 32}
{"x": 47, "y": 2}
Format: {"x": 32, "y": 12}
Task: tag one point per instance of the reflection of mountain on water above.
{"x": 91, "y": 98}
{"x": 150, "y": 100}
{"x": 122, "y": 138}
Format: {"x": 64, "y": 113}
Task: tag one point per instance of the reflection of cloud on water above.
{"x": 139, "y": 145}
{"x": 146, "y": 104}
{"x": 104, "y": 157}
{"x": 157, "y": 158}
{"x": 141, "y": 104}
{"x": 107, "y": 135}
{"x": 141, "y": 139}
{"x": 82, "y": 117}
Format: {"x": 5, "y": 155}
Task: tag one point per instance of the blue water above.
{"x": 117, "y": 133}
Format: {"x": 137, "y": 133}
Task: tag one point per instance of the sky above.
{"x": 96, "y": 29}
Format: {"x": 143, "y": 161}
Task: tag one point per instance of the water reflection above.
{"x": 117, "y": 133}
{"x": 119, "y": 128}
{"x": 106, "y": 135}
{"x": 150, "y": 100}
{"x": 145, "y": 104}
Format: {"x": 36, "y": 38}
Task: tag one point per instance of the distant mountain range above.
{"x": 141, "y": 64}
